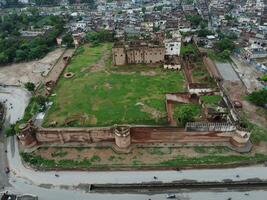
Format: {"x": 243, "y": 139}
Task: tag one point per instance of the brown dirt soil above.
{"x": 101, "y": 64}
{"x": 235, "y": 89}
{"x": 153, "y": 112}
{"x": 253, "y": 114}
{"x": 237, "y": 92}
{"x": 149, "y": 73}
{"x": 146, "y": 156}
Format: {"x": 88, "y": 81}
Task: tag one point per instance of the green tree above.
{"x": 225, "y": 44}
{"x": 204, "y": 24}
{"x": 204, "y": 32}
{"x": 259, "y": 97}
{"x": 41, "y": 100}
{"x": 10, "y": 131}
{"x": 225, "y": 54}
{"x": 68, "y": 40}
{"x": 185, "y": 114}
{"x": 158, "y": 8}
{"x": 143, "y": 9}
{"x": 3, "y": 58}
{"x": 14, "y": 48}
{"x": 101, "y": 36}
{"x": 264, "y": 77}
{"x": 188, "y": 49}
{"x": 29, "y": 86}
{"x": 194, "y": 20}
{"x": 20, "y": 55}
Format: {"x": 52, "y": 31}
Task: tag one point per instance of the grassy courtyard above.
{"x": 100, "y": 94}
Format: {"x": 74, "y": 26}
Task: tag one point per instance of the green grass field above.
{"x": 212, "y": 99}
{"x": 102, "y": 95}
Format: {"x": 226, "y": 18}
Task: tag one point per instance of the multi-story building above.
{"x": 264, "y": 13}
{"x": 138, "y": 52}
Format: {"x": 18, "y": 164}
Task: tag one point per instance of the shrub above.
{"x": 68, "y": 40}
{"x": 10, "y": 131}
{"x": 29, "y": 86}
{"x": 258, "y": 98}
{"x": 264, "y": 77}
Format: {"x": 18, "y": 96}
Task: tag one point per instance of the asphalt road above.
{"x": 3, "y": 162}
{"x": 16, "y": 100}
{"x": 227, "y": 72}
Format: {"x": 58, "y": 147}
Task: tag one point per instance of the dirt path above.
{"x": 153, "y": 112}
{"x": 101, "y": 64}
{"x": 253, "y": 115}
{"x": 248, "y": 74}
{"x": 237, "y": 92}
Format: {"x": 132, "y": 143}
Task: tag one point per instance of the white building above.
{"x": 255, "y": 51}
{"x": 172, "y": 48}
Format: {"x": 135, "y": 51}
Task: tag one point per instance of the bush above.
{"x": 258, "y": 98}
{"x": 225, "y": 54}
{"x": 41, "y": 101}
{"x": 264, "y": 77}
{"x": 195, "y": 20}
{"x": 189, "y": 49}
{"x": 225, "y": 44}
{"x": 36, "y": 104}
{"x": 68, "y": 40}
{"x": 204, "y": 32}
{"x": 29, "y": 86}
{"x": 10, "y": 131}
{"x": 186, "y": 113}
{"x": 98, "y": 37}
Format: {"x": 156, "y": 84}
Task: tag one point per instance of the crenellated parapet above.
{"x": 122, "y": 136}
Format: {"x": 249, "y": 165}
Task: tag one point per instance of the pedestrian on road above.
{"x": 7, "y": 170}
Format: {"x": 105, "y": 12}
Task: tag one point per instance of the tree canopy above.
{"x": 14, "y": 48}
{"x": 29, "y": 86}
{"x": 259, "y": 97}
{"x": 225, "y": 44}
{"x": 68, "y": 40}
{"x": 195, "y": 20}
{"x": 101, "y": 36}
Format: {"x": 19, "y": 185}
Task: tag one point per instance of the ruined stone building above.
{"x": 138, "y": 52}
{"x": 172, "y": 53}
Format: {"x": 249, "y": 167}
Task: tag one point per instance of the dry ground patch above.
{"x": 19, "y": 73}
{"x": 105, "y": 157}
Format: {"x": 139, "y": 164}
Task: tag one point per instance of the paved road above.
{"x": 63, "y": 194}
{"x": 3, "y": 162}
{"x": 227, "y": 72}
{"x": 71, "y": 178}
{"x": 16, "y": 99}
